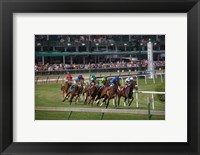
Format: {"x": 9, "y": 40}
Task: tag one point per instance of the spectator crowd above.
{"x": 63, "y": 67}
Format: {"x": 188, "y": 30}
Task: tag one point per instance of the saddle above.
{"x": 72, "y": 87}
{"x": 100, "y": 89}
{"x": 123, "y": 89}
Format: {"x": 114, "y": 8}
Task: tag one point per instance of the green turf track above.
{"x": 50, "y": 95}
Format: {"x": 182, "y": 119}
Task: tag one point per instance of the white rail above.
{"x": 100, "y": 110}
{"x": 146, "y": 92}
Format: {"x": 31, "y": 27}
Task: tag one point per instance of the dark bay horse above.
{"x": 112, "y": 93}
{"x": 86, "y": 91}
{"x": 102, "y": 92}
{"x": 128, "y": 93}
{"x": 76, "y": 91}
{"x": 65, "y": 90}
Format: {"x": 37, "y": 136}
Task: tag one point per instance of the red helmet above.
{"x": 69, "y": 76}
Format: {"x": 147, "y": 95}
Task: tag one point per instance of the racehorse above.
{"x": 65, "y": 90}
{"x": 86, "y": 92}
{"x": 92, "y": 92}
{"x": 76, "y": 91}
{"x": 128, "y": 93}
{"x": 86, "y": 88}
{"x": 112, "y": 93}
{"x": 101, "y": 93}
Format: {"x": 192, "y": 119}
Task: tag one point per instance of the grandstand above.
{"x": 85, "y": 49}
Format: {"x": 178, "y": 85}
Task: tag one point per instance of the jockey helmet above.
{"x": 104, "y": 79}
{"x": 131, "y": 78}
{"x": 69, "y": 76}
{"x": 115, "y": 79}
{"x": 127, "y": 79}
{"x": 80, "y": 77}
{"x": 93, "y": 77}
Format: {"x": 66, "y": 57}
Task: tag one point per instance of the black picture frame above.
{"x": 8, "y": 7}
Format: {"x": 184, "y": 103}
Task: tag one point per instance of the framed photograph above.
{"x": 92, "y": 70}
{"x": 79, "y": 76}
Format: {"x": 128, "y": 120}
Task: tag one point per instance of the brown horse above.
{"x": 92, "y": 92}
{"x": 128, "y": 93}
{"x": 112, "y": 93}
{"x": 86, "y": 92}
{"x": 101, "y": 93}
{"x": 76, "y": 91}
{"x": 65, "y": 90}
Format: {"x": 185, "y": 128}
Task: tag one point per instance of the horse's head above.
{"x": 134, "y": 85}
{"x": 118, "y": 82}
{"x": 81, "y": 81}
{"x": 107, "y": 83}
{"x": 67, "y": 84}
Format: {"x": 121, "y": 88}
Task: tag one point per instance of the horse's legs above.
{"x": 131, "y": 101}
{"x": 115, "y": 99}
{"x": 104, "y": 100}
{"x": 119, "y": 97}
{"x": 64, "y": 96}
{"x": 125, "y": 101}
{"x": 93, "y": 101}
{"x": 67, "y": 95}
{"x": 71, "y": 98}
{"x": 97, "y": 102}
{"x": 107, "y": 103}
{"x": 76, "y": 100}
{"x": 98, "y": 96}
{"x": 86, "y": 99}
{"x": 97, "y": 99}
{"x": 89, "y": 100}
{"x": 128, "y": 101}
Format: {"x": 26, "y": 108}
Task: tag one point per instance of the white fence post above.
{"x": 154, "y": 79}
{"x": 137, "y": 80}
{"x": 147, "y": 92}
{"x": 152, "y": 98}
{"x": 161, "y": 78}
{"x": 145, "y": 79}
{"x": 137, "y": 105}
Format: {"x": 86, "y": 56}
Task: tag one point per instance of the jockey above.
{"x": 128, "y": 81}
{"x": 104, "y": 80}
{"x": 114, "y": 80}
{"x": 77, "y": 81}
{"x": 68, "y": 78}
{"x": 92, "y": 80}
